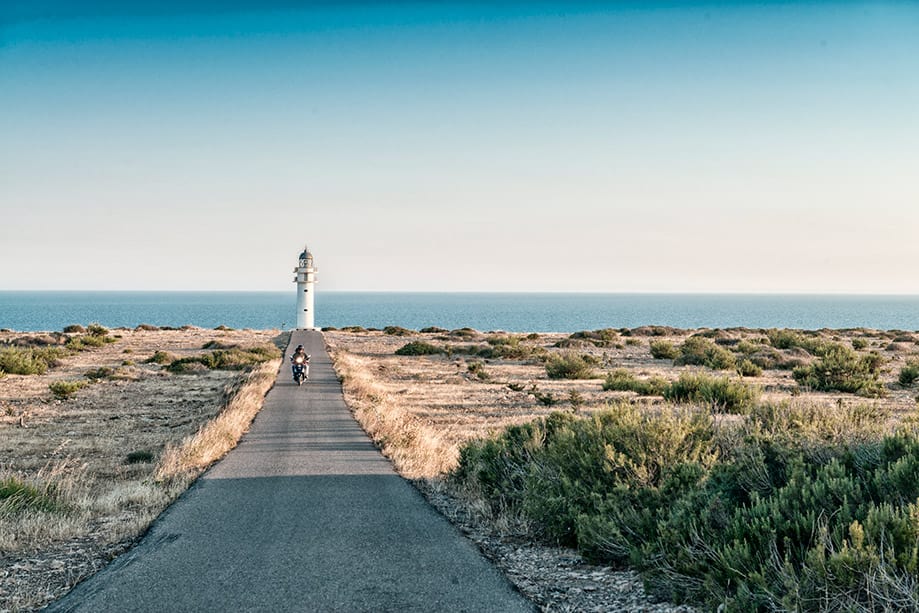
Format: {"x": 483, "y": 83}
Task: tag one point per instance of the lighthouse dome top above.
{"x": 306, "y": 255}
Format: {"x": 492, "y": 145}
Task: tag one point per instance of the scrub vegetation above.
{"x": 786, "y": 480}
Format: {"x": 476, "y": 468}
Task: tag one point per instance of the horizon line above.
{"x": 842, "y": 293}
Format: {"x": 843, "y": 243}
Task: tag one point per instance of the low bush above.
{"x": 600, "y": 338}
{"x": 720, "y": 393}
{"x": 29, "y": 360}
{"x": 747, "y": 347}
{"x": 842, "y": 369}
{"x": 17, "y": 496}
{"x": 547, "y": 399}
{"x": 103, "y": 372}
{"x": 218, "y": 345}
{"x": 397, "y": 331}
{"x": 226, "y": 359}
{"x": 859, "y": 344}
{"x": 746, "y": 368}
{"x": 221, "y": 328}
{"x": 811, "y": 342}
{"x": 74, "y": 329}
{"x": 66, "y": 389}
{"x": 701, "y": 351}
{"x": 160, "y": 357}
{"x": 909, "y": 373}
{"x": 621, "y": 380}
{"x": 146, "y": 328}
{"x": 143, "y": 456}
{"x": 465, "y": 333}
{"x": 569, "y": 366}
{"x": 664, "y": 350}
{"x": 434, "y": 330}
{"x": 478, "y": 370}
{"x": 791, "y": 508}
{"x": 355, "y": 329}
{"x": 418, "y": 348}
{"x": 96, "y": 330}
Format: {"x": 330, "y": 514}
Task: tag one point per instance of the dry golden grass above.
{"x": 181, "y": 464}
{"x": 416, "y": 448}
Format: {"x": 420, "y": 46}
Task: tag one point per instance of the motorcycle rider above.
{"x": 305, "y": 360}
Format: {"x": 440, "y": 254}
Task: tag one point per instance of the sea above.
{"x": 513, "y": 312}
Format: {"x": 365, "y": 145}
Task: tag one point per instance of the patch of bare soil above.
{"x": 97, "y": 453}
{"x": 460, "y": 395}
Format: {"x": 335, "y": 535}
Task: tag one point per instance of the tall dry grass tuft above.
{"x": 180, "y": 465}
{"x": 419, "y": 451}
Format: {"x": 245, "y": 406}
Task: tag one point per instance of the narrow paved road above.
{"x": 304, "y": 515}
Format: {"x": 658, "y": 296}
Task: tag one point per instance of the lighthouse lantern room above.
{"x": 305, "y": 280}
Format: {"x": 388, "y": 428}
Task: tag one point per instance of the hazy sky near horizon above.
{"x": 619, "y": 146}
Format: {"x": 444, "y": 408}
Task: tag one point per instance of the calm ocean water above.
{"x": 30, "y": 311}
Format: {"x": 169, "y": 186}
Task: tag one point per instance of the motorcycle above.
{"x": 301, "y": 368}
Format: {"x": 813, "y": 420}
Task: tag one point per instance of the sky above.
{"x": 767, "y": 147}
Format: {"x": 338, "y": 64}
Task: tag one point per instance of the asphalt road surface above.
{"x": 304, "y": 515}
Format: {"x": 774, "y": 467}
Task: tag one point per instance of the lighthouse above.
{"x": 306, "y": 281}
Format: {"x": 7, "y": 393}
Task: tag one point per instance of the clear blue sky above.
{"x": 641, "y": 146}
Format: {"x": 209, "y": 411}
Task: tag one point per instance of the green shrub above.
{"x": 747, "y": 348}
{"x": 85, "y": 341}
{"x": 842, "y": 369}
{"x": 510, "y": 348}
{"x": 397, "y": 331}
{"x": 547, "y": 399}
{"x": 418, "y": 348}
{"x": 478, "y": 369}
{"x": 746, "y": 368}
{"x": 720, "y": 393}
{"x": 569, "y": 366}
{"x": 621, "y": 380}
{"x": 859, "y": 343}
{"x": 143, "y": 456}
{"x": 434, "y": 330}
{"x": 909, "y": 373}
{"x": 600, "y": 338}
{"x": 17, "y": 495}
{"x": 697, "y": 350}
{"x": 575, "y": 399}
{"x": 664, "y": 350}
{"x": 74, "y": 329}
{"x": 789, "y": 339}
{"x": 218, "y": 345}
{"x": 160, "y": 357}
{"x": 792, "y": 508}
{"x": 29, "y": 360}
{"x": 464, "y": 332}
{"x": 226, "y": 359}
{"x": 221, "y": 328}
{"x": 96, "y": 330}
{"x": 103, "y": 372}
{"x": 65, "y": 389}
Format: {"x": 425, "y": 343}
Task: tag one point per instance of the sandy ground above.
{"x": 83, "y": 444}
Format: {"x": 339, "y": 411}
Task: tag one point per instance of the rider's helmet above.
{"x": 299, "y": 348}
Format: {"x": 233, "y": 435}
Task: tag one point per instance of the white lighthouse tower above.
{"x": 306, "y": 280}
